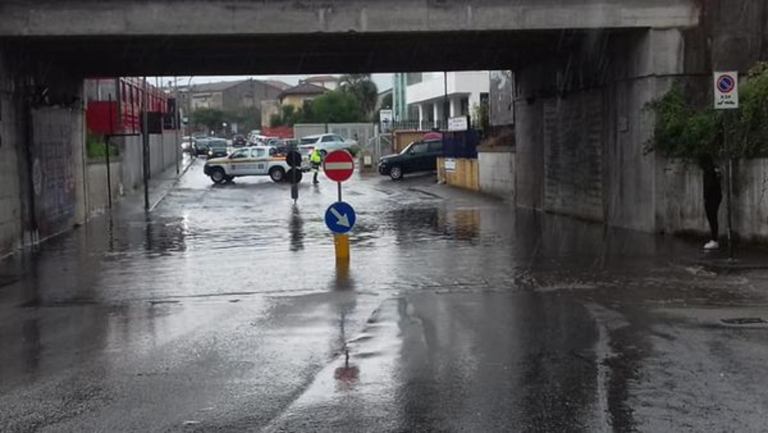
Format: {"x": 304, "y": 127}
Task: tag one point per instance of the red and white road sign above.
{"x": 339, "y": 165}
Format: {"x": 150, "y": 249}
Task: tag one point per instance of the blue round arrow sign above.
{"x": 340, "y": 217}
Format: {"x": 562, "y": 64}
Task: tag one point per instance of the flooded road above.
{"x": 223, "y": 310}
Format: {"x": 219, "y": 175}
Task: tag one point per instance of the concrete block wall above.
{"x": 573, "y": 155}
{"x": 58, "y": 171}
{"x": 96, "y": 186}
{"x": 680, "y": 202}
{"x": 529, "y": 156}
{"x": 161, "y": 156}
{"x": 497, "y": 172}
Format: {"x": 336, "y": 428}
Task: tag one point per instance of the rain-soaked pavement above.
{"x": 223, "y": 310}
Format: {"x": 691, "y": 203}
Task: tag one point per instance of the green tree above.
{"x": 750, "y": 130}
{"x": 288, "y": 116}
{"x": 681, "y": 130}
{"x": 362, "y": 88}
{"x": 337, "y": 107}
{"x": 208, "y": 117}
{"x": 685, "y": 130}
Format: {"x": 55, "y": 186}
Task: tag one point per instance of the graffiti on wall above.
{"x": 53, "y": 170}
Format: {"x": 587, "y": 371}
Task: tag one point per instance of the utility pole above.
{"x": 145, "y": 143}
{"x": 445, "y": 100}
{"x": 176, "y": 119}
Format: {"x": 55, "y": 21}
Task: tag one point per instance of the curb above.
{"x": 728, "y": 265}
{"x": 175, "y": 182}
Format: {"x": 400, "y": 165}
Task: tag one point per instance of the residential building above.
{"x": 381, "y": 97}
{"x": 279, "y": 84}
{"x": 296, "y": 95}
{"x": 432, "y": 93}
{"x": 329, "y": 82}
{"x": 229, "y": 96}
{"x": 268, "y": 109}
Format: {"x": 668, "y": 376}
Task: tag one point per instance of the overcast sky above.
{"x": 383, "y": 81}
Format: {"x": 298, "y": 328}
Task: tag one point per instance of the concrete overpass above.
{"x": 311, "y": 36}
{"x": 585, "y": 71}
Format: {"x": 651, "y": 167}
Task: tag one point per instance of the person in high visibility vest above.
{"x": 314, "y": 163}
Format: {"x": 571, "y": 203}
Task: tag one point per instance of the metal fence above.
{"x": 413, "y": 125}
{"x": 461, "y": 144}
{"x": 361, "y": 132}
{"x": 378, "y": 146}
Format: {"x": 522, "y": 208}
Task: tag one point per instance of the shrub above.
{"x": 685, "y": 131}
{"x": 96, "y": 148}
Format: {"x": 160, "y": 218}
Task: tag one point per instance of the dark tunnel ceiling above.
{"x": 295, "y": 54}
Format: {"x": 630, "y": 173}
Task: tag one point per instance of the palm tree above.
{"x": 364, "y": 90}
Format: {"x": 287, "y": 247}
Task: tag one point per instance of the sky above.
{"x": 383, "y": 81}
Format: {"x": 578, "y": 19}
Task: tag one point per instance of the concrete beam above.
{"x": 245, "y": 17}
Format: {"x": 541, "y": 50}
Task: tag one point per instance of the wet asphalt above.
{"x": 224, "y": 310}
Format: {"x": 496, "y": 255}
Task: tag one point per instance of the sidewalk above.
{"x": 747, "y": 257}
{"x": 159, "y": 187}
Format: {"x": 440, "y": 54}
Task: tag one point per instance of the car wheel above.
{"x": 277, "y": 174}
{"x": 396, "y": 173}
{"x": 323, "y": 152}
{"x": 218, "y": 175}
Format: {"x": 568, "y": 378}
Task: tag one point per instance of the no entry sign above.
{"x": 339, "y": 165}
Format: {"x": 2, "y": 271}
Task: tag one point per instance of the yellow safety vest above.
{"x": 316, "y": 157}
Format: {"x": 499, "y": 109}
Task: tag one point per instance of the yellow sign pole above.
{"x": 341, "y": 242}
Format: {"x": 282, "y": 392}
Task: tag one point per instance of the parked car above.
{"x": 200, "y": 146}
{"x": 251, "y": 161}
{"x": 239, "y": 141}
{"x": 418, "y": 156}
{"x": 327, "y": 143}
{"x": 252, "y": 135}
{"x": 217, "y": 147}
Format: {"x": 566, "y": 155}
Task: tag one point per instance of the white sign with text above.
{"x": 726, "y": 90}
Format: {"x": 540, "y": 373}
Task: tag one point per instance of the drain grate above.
{"x": 744, "y": 321}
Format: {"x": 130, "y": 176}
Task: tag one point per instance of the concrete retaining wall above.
{"x": 573, "y": 155}
{"x": 582, "y": 127}
{"x": 98, "y": 198}
{"x": 58, "y": 172}
{"x": 497, "y": 172}
{"x": 10, "y": 163}
{"x": 680, "y": 204}
{"x": 162, "y": 156}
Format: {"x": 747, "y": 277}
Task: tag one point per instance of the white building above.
{"x": 427, "y": 93}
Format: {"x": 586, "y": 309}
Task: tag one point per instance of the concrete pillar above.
{"x": 455, "y": 106}
{"x": 438, "y": 116}
{"x": 422, "y": 114}
{"x": 12, "y": 161}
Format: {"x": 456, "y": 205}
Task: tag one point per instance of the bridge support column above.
{"x": 582, "y": 127}
{"x": 42, "y": 151}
